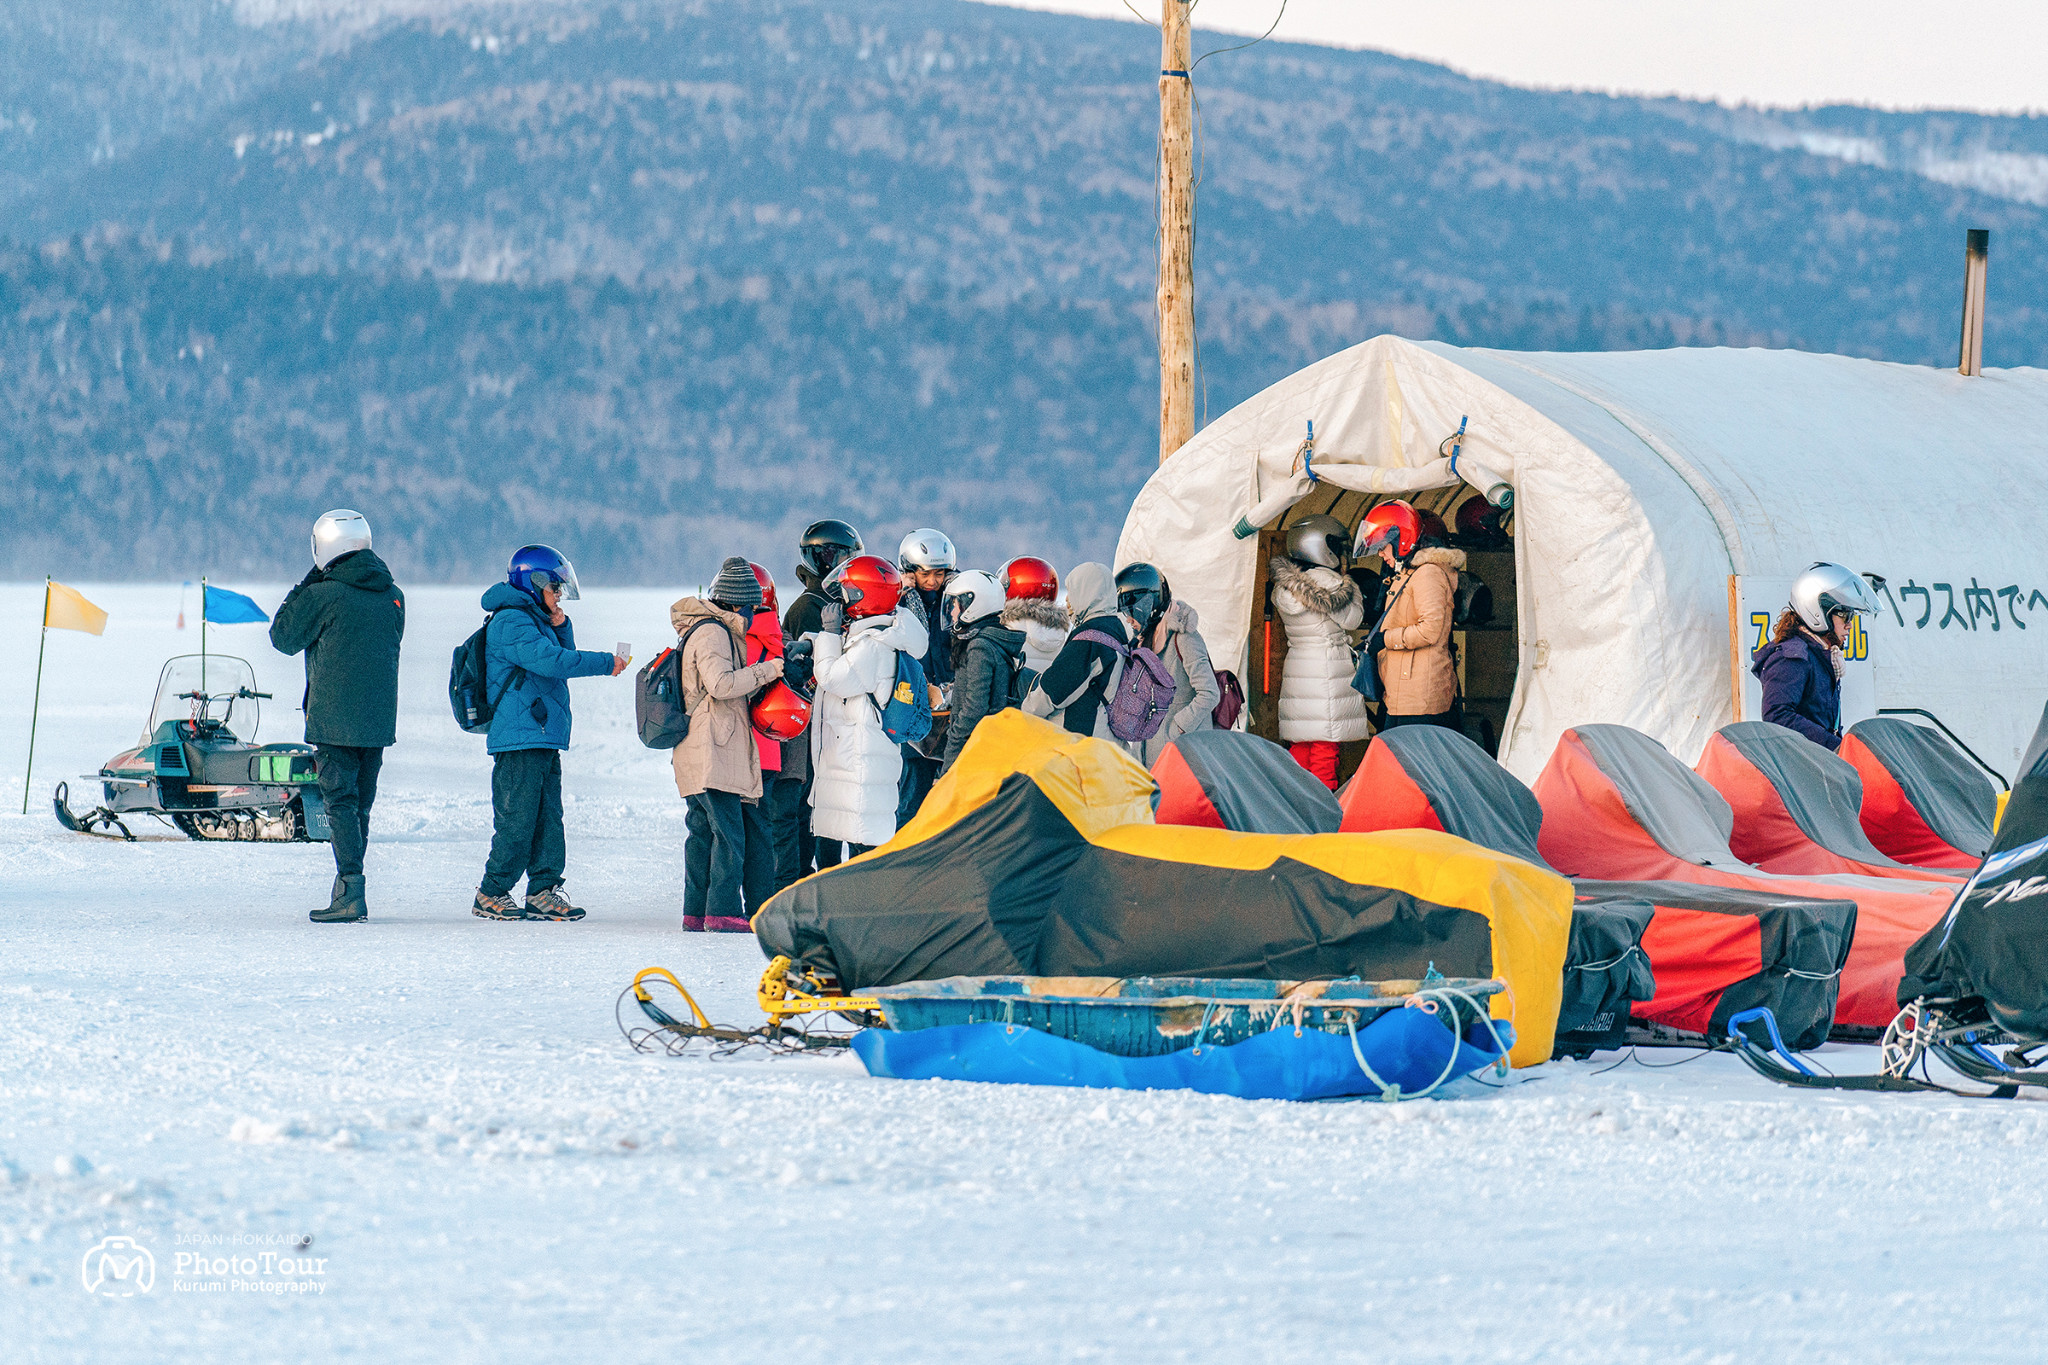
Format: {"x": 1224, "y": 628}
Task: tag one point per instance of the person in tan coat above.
{"x": 1418, "y": 681}
{"x": 727, "y": 850}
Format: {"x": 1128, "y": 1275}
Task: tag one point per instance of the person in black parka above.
{"x": 348, "y": 617}
{"x": 990, "y": 657}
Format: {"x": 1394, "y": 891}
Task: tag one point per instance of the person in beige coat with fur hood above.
{"x": 728, "y": 851}
{"x": 1418, "y": 680}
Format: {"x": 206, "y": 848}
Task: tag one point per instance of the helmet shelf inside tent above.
{"x": 1487, "y": 655}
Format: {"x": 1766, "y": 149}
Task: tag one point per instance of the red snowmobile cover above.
{"x": 1922, "y": 801}
{"x": 1227, "y": 779}
{"x": 1992, "y": 946}
{"x": 1615, "y": 804}
{"x": 1713, "y": 952}
{"x": 1795, "y": 805}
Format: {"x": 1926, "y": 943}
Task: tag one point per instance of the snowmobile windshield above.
{"x": 213, "y": 687}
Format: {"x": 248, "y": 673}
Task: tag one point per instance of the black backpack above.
{"x": 467, "y": 672}
{"x": 658, "y": 709}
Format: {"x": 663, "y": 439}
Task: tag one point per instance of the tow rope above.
{"x": 800, "y": 1009}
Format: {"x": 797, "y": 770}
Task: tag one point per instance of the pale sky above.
{"x": 1989, "y": 55}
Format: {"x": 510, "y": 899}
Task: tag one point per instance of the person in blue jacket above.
{"x": 529, "y": 656}
{"x": 1801, "y": 667}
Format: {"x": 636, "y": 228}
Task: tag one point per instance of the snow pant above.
{"x": 812, "y": 853}
{"x": 526, "y": 822}
{"x": 783, "y": 805}
{"x": 348, "y": 787}
{"x": 915, "y": 784}
{"x": 726, "y": 856}
{"x": 1319, "y": 756}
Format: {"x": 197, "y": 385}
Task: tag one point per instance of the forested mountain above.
{"x": 664, "y": 280}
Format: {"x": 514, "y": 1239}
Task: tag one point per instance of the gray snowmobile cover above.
{"x": 1227, "y": 779}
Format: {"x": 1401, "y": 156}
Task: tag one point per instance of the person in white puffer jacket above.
{"x": 854, "y": 795}
{"x": 1319, "y": 606}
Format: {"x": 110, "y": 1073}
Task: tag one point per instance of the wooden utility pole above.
{"x": 1176, "y": 231}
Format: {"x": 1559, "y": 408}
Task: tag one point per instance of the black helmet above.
{"x": 1320, "y": 541}
{"x": 826, "y": 544}
{"x": 1142, "y": 595}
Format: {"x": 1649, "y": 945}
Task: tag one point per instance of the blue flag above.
{"x": 225, "y": 608}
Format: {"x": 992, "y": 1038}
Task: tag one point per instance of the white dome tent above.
{"x": 1663, "y": 502}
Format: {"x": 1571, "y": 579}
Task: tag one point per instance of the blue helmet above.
{"x": 534, "y": 567}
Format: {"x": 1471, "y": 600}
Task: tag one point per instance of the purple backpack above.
{"x": 1144, "y": 690}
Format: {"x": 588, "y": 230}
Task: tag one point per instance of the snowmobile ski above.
{"x": 99, "y": 822}
{"x": 1777, "y": 1063}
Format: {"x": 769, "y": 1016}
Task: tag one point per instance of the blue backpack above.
{"x": 908, "y": 716}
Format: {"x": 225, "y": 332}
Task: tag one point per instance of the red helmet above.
{"x": 1479, "y": 519}
{"x": 779, "y": 712}
{"x": 767, "y": 582}
{"x": 1028, "y": 576}
{"x": 1391, "y": 525}
{"x": 867, "y": 584}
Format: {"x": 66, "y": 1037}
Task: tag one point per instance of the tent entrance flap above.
{"x": 1488, "y": 653}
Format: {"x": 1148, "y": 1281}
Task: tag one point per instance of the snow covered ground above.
{"x": 444, "y": 1106}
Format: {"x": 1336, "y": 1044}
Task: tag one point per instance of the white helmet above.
{"x": 925, "y": 548}
{"x": 1825, "y": 589}
{"x": 338, "y": 533}
{"x": 975, "y": 595}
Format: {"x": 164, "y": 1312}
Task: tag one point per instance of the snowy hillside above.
{"x": 671, "y": 278}
{"x": 444, "y": 1107}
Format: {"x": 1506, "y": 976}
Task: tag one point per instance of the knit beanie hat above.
{"x": 736, "y": 585}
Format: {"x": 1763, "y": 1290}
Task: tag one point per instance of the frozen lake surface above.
{"x": 445, "y": 1107}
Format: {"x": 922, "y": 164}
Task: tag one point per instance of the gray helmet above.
{"x": 1318, "y": 540}
{"x": 1825, "y": 589}
{"x": 338, "y": 533}
{"x": 925, "y": 548}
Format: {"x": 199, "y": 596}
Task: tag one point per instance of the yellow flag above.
{"x": 66, "y": 609}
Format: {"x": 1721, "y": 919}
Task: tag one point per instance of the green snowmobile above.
{"x": 195, "y": 769}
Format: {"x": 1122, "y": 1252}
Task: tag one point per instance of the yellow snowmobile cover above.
{"x": 1037, "y": 856}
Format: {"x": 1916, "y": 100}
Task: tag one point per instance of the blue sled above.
{"x": 1408, "y": 1051}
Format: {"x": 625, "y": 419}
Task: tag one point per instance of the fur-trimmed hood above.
{"x": 1453, "y": 560}
{"x": 1330, "y": 599}
{"x": 1023, "y": 613}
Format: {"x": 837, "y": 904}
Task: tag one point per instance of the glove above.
{"x": 832, "y": 618}
{"x": 796, "y": 668}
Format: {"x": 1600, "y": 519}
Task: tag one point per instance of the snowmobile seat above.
{"x": 1228, "y": 779}
{"x": 1710, "y": 952}
{"x": 1923, "y": 803}
{"x": 1795, "y": 805}
{"x": 1616, "y": 805}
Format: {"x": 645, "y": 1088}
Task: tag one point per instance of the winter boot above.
{"x": 693, "y": 924}
{"x": 551, "y": 904}
{"x": 726, "y": 924}
{"x": 345, "y": 904}
{"x": 496, "y": 907}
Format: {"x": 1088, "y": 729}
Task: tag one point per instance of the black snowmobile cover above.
{"x": 1228, "y": 779}
{"x": 1037, "y": 855}
{"x": 1992, "y": 946}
